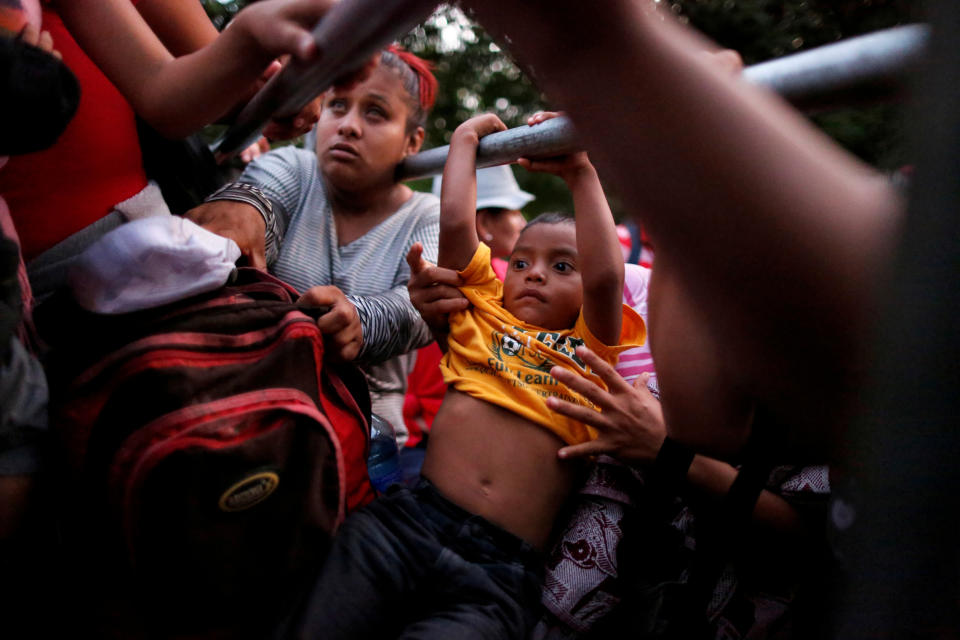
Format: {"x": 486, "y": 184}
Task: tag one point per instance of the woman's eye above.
{"x": 336, "y": 105}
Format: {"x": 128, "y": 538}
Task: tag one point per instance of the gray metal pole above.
{"x": 861, "y": 69}
{"x": 868, "y": 67}
{"x": 864, "y": 68}
{"x": 551, "y": 138}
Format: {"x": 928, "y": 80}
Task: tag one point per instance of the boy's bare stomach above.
{"x": 498, "y": 465}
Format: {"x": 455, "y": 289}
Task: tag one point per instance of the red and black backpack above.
{"x": 211, "y": 452}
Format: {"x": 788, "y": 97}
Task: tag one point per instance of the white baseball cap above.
{"x": 496, "y": 187}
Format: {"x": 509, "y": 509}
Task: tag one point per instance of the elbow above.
{"x": 455, "y": 226}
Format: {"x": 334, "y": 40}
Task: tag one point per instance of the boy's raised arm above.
{"x": 600, "y": 260}
{"x": 458, "y": 196}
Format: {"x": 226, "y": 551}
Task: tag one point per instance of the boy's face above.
{"x": 542, "y": 286}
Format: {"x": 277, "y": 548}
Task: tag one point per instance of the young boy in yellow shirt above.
{"x": 459, "y": 555}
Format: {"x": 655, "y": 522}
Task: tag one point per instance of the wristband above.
{"x": 671, "y": 465}
{"x": 743, "y": 494}
{"x": 249, "y": 194}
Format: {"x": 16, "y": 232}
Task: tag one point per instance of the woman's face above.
{"x": 362, "y": 132}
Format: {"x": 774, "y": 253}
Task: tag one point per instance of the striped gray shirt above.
{"x": 372, "y": 270}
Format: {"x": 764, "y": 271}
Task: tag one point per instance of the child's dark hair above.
{"x": 550, "y": 218}
{"x": 417, "y": 79}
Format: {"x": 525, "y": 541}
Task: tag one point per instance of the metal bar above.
{"x": 350, "y": 33}
{"x": 866, "y": 68}
{"x": 870, "y": 67}
{"x": 551, "y": 138}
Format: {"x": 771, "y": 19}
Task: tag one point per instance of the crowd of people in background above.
{"x": 604, "y": 429}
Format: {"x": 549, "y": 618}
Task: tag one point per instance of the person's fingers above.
{"x": 542, "y": 116}
{"x": 447, "y": 306}
{"x": 272, "y": 69}
{"x": 488, "y": 123}
{"x": 592, "y": 448}
{"x": 45, "y": 42}
{"x": 286, "y": 36}
{"x": 727, "y": 60}
{"x": 640, "y": 382}
{"x": 332, "y": 322}
{"x": 439, "y": 292}
{"x": 586, "y": 388}
{"x": 579, "y": 413}
{"x": 311, "y": 112}
{"x": 320, "y": 296}
{"x": 342, "y": 314}
{"x": 545, "y": 165}
{"x": 442, "y": 276}
{"x": 614, "y": 381}
{"x": 29, "y": 34}
{"x": 415, "y": 259}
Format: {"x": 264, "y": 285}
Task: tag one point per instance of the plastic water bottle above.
{"x": 383, "y": 464}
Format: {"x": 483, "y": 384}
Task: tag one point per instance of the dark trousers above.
{"x": 414, "y": 565}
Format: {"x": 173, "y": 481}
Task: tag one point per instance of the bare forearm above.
{"x": 194, "y": 90}
{"x": 176, "y": 96}
{"x": 182, "y": 25}
{"x": 712, "y": 479}
{"x": 599, "y": 252}
{"x": 458, "y": 227}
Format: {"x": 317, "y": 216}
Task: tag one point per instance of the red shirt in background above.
{"x": 94, "y": 165}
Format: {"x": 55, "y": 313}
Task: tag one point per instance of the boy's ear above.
{"x": 414, "y": 141}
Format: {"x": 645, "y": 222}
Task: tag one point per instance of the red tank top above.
{"x": 94, "y": 165}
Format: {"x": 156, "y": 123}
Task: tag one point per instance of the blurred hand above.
{"x": 287, "y": 128}
{"x": 281, "y": 27}
{"x": 39, "y": 39}
{"x": 342, "y": 332}
{"x": 255, "y": 150}
{"x": 630, "y": 421}
{"x": 433, "y": 290}
{"x": 235, "y": 220}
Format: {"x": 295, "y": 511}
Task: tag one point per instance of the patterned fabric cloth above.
{"x": 583, "y": 582}
{"x": 372, "y": 270}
